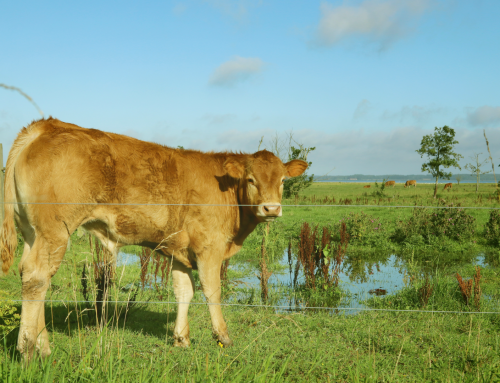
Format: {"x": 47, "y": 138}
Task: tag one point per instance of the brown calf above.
{"x": 411, "y": 182}
{"x": 367, "y": 186}
{"x": 215, "y": 201}
{"x": 390, "y": 183}
{"x": 448, "y": 186}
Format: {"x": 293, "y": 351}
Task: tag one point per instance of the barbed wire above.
{"x": 287, "y": 307}
{"x": 244, "y": 205}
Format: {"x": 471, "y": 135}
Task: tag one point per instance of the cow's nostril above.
{"x": 266, "y": 209}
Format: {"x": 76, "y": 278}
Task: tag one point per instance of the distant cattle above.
{"x": 367, "y": 186}
{"x": 448, "y": 186}
{"x": 390, "y": 183}
{"x": 194, "y": 207}
{"x": 411, "y": 182}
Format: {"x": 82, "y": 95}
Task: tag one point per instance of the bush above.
{"x": 363, "y": 229}
{"x": 426, "y": 226}
{"x": 492, "y": 228}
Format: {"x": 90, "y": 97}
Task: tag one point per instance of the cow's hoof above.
{"x": 224, "y": 342}
{"x": 182, "y": 342}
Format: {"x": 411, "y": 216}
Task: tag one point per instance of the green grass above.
{"x": 373, "y": 346}
{"x": 285, "y": 346}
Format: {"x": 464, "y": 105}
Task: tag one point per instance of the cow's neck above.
{"x": 247, "y": 224}
{"x": 246, "y": 221}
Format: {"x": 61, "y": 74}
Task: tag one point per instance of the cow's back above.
{"x": 140, "y": 191}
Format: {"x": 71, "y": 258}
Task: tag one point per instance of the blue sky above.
{"x": 362, "y": 81}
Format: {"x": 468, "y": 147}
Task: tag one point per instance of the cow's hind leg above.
{"x": 37, "y": 268}
{"x": 184, "y": 292}
{"x": 210, "y": 283}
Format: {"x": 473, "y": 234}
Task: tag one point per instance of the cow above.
{"x": 194, "y": 207}
{"x": 367, "y": 186}
{"x": 390, "y": 183}
{"x": 448, "y": 186}
{"x": 411, "y": 182}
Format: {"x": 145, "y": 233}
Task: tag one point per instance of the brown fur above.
{"x": 390, "y": 183}
{"x": 367, "y": 186}
{"x": 411, "y": 182}
{"x": 448, "y": 186}
{"x": 56, "y": 162}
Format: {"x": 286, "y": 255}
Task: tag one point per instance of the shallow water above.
{"x": 387, "y": 276}
{"x": 359, "y": 277}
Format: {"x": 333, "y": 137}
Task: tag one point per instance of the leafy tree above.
{"x": 293, "y": 186}
{"x": 476, "y": 169}
{"x": 439, "y": 149}
{"x": 458, "y": 177}
{"x": 288, "y": 149}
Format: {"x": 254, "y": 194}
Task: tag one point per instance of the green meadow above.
{"x": 407, "y": 338}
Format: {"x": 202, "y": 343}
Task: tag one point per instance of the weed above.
{"x": 103, "y": 277}
{"x": 265, "y": 274}
{"x": 425, "y": 291}
{"x": 321, "y": 261}
{"x": 466, "y": 288}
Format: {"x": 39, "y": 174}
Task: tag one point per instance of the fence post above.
{"x": 2, "y": 195}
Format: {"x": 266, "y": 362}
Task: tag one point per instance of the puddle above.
{"x": 125, "y": 259}
{"x": 379, "y": 278}
{"x": 387, "y": 277}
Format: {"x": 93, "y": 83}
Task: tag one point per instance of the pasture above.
{"x": 294, "y": 342}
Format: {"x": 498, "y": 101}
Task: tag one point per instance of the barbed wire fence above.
{"x": 288, "y": 308}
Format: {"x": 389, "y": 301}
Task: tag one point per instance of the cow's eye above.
{"x": 251, "y": 181}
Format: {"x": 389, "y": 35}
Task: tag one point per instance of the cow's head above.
{"x": 261, "y": 177}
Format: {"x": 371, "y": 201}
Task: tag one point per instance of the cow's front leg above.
{"x": 184, "y": 291}
{"x": 209, "y": 272}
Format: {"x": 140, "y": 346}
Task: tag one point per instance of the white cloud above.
{"x": 485, "y": 115}
{"x": 219, "y": 118}
{"x": 362, "y": 109}
{"x": 378, "y": 21}
{"x": 237, "y": 9}
{"x": 359, "y": 151}
{"x": 246, "y": 141}
{"x": 236, "y": 70}
{"x": 179, "y": 9}
{"x": 414, "y": 114}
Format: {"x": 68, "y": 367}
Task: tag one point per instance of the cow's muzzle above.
{"x": 269, "y": 211}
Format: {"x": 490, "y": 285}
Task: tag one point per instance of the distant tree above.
{"x": 438, "y": 148}
{"x": 458, "y": 177}
{"x": 288, "y": 149}
{"x": 476, "y": 169}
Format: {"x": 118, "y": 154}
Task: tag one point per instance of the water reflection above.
{"x": 363, "y": 274}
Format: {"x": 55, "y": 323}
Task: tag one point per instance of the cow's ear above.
{"x": 295, "y": 168}
{"x": 234, "y": 168}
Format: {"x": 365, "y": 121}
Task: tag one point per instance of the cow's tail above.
{"x": 8, "y": 235}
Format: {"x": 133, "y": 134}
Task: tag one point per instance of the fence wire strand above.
{"x": 288, "y": 307}
{"x": 244, "y": 205}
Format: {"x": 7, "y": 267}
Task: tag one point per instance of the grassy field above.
{"x": 422, "y": 195}
{"x": 280, "y": 345}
